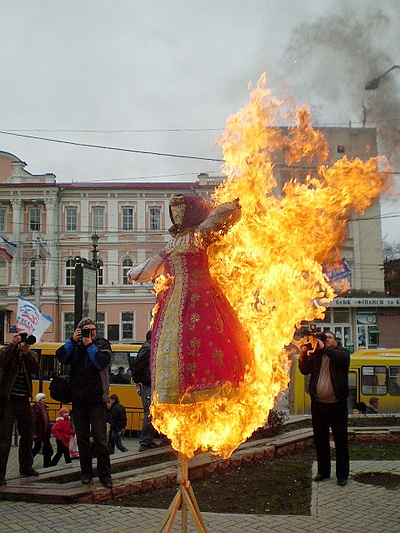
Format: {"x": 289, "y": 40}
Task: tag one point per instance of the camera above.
{"x": 321, "y": 336}
{"x": 86, "y": 332}
{"x": 28, "y": 339}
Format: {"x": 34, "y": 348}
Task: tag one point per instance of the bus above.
{"x": 123, "y": 355}
{"x": 371, "y": 373}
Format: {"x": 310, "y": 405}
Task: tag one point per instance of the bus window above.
{"x": 120, "y": 368}
{"x": 374, "y": 380}
{"x": 352, "y": 391}
{"x": 394, "y": 380}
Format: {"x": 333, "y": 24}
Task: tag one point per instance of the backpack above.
{"x": 60, "y": 388}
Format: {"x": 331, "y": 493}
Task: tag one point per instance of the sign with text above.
{"x": 85, "y": 290}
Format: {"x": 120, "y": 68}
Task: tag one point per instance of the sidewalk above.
{"x": 356, "y": 508}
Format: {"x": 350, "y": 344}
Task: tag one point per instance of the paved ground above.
{"x": 356, "y": 508}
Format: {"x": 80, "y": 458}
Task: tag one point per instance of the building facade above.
{"x": 53, "y": 223}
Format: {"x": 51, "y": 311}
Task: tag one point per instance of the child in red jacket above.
{"x": 62, "y": 432}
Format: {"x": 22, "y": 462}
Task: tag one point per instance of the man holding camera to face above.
{"x": 17, "y": 362}
{"x": 328, "y": 363}
{"x": 89, "y": 358}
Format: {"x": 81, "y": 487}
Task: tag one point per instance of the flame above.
{"x": 270, "y": 264}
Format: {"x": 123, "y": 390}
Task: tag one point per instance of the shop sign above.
{"x": 365, "y": 302}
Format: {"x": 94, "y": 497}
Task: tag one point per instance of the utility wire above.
{"x": 103, "y": 147}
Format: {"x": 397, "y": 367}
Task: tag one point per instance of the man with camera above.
{"x": 89, "y": 358}
{"x": 328, "y": 363}
{"x": 17, "y": 362}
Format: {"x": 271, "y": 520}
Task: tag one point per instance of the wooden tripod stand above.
{"x": 184, "y": 498}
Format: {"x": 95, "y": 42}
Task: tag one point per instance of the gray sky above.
{"x": 123, "y": 69}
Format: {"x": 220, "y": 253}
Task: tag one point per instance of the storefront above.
{"x": 361, "y": 323}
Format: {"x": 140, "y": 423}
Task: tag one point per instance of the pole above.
{"x": 38, "y": 267}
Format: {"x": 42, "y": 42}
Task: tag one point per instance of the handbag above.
{"x": 60, "y": 388}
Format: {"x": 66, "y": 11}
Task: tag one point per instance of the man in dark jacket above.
{"x": 18, "y": 362}
{"x": 328, "y": 365}
{"x": 141, "y": 376}
{"x": 117, "y": 420}
{"x": 89, "y": 358}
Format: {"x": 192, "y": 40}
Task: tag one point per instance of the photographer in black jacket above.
{"x": 18, "y": 362}
{"x": 328, "y": 365}
{"x": 89, "y": 359}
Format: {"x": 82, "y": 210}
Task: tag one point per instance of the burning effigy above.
{"x": 239, "y": 276}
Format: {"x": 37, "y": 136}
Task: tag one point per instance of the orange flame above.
{"x": 269, "y": 264}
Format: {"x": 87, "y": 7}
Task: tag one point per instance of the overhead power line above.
{"x": 104, "y": 147}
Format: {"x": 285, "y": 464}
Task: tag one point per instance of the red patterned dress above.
{"x": 198, "y": 343}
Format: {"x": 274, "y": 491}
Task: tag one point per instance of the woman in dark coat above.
{"x": 41, "y": 429}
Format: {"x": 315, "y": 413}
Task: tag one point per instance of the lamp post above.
{"x": 95, "y": 242}
{"x": 374, "y": 83}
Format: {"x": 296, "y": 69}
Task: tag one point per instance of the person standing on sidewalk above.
{"x": 63, "y": 432}
{"x": 142, "y": 377}
{"x": 18, "y": 362}
{"x": 328, "y": 365}
{"x": 89, "y": 358}
{"x": 41, "y": 429}
{"x": 117, "y": 418}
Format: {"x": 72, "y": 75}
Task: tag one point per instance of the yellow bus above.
{"x": 371, "y": 373}
{"x": 123, "y": 356}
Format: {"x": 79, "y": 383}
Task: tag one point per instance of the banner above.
{"x": 7, "y": 249}
{"x": 30, "y": 319}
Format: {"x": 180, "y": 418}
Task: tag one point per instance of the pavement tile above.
{"x": 356, "y": 508}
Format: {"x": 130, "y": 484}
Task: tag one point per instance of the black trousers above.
{"x": 90, "y": 421}
{"x": 47, "y": 451}
{"x": 334, "y": 416}
{"x": 17, "y": 408}
{"x": 62, "y": 450}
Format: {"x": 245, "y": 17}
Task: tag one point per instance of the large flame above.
{"x": 270, "y": 264}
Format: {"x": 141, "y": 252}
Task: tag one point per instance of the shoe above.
{"x": 106, "y": 482}
{"x": 150, "y": 446}
{"x": 86, "y": 479}
{"x": 28, "y": 473}
{"x": 124, "y": 450}
{"x": 342, "y": 482}
{"x": 320, "y": 477}
{"x": 3, "y": 482}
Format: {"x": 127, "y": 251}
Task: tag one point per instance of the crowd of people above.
{"x": 94, "y": 427}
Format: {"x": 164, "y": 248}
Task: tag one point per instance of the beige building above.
{"x": 52, "y": 223}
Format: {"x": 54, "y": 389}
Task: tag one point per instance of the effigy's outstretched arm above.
{"x": 220, "y": 220}
{"x": 146, "y": 271}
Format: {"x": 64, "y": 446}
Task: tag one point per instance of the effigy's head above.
{"x": 187, "y": 212}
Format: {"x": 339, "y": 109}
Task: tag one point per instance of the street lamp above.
{"x": 95, "y": 242}
{"x": 374, "y": 83}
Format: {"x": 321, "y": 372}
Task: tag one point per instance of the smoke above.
{"x": 329, "y": 61}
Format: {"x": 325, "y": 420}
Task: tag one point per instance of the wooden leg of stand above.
{"x": 193, "y": 509}
{"x": 196, "y": 505}
{"x": 170, "y": 515}
{"x": 186, "y": 499}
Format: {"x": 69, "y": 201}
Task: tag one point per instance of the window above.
{"x": 100, "y": 323}
{"x": 98, "y": 218}
{"x": 3, "y": 271}
{"x": 3, "y": 213}
{"x": 71, "y": 218}
{"x": 69, "y": 325}
{"x": 373, "y": 380}
{"x": 69, "y": 272}
{"x": 127, "y": 264}
{"x": 32, "y": 273}
{"x": 127, "y": 325}
{"x": 34, "y": 218}
{"x": 155, "y": 218}
{"x": 394, "y": 380}
{"x": 100, "y": 272}
{"x": 127, "y": 218}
